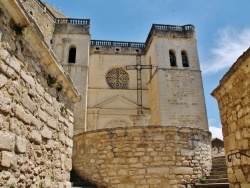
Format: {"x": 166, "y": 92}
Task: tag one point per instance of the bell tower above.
{"x": 176, "y": 90}
{"x": 71, "y": 43}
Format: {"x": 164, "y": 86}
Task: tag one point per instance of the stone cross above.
{"x": 139, "y": 67}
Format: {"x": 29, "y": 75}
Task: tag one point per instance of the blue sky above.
{"x": 222, "y": 28}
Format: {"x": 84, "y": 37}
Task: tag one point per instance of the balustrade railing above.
{"x": 72, "y": 21}
{"x": 62, "y": 20}
{"x": 173, "y": 27}
{"x": 117, "y": 43}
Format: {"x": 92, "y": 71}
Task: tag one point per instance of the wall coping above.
{"x": 179, "y": 129}
{"x": 35, "y": 38}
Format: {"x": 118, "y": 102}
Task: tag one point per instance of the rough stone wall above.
{"x": 36, "y": 129}
{"x": 44, "y": 20}
{"x": 151, "y": 156}
{"x": 234, "y": 100}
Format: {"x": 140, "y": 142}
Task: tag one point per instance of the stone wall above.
{"x": 151, "y": 156}
{"x": 234, "y": 100}
{"x": 36, "y": 122}
{"x": 41, "y": 15}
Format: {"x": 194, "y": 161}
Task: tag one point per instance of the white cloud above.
{"x": 216, "y": 132}
{"x": 230, "y": 44}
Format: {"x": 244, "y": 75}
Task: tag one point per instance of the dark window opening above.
{"x": 184, "y": 59}
{"x": 172, "y": 59}
{"x": 72, "y": 55}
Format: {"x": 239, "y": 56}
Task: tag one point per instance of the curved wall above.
{"x": 151, "y": 156}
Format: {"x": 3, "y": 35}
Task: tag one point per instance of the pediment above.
{"x": 117, "y": 102}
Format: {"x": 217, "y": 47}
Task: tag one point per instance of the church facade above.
{"x": 171, "y": 89}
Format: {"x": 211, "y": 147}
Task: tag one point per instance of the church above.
{"x": 167, "y": 85}
{"x": 141, "y": 120}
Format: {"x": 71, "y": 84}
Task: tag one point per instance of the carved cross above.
{"x": 139, "y": 67}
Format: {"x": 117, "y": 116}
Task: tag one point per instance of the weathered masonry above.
{"x": 39, "y": 45}
{"x": 233, "y": 99}
{"x": 36, "y": 103}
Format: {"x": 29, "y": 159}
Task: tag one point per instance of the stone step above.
{"x": 223, "y": 160}
{"x": 218, "y": 172}
{"x": 218, "y": 176}
{"x": 221, "y": 180}
{"x": 219, "y": 165}
{"x": 219, "y": 169}
{"x": 212, "y": 185}
{"x": 81, "y": 184}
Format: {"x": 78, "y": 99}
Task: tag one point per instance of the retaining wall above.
{"x": 151, "y": 156}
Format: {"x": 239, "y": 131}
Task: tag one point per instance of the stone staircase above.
{"x": 218, "y": 177}
{"x": 78, "y": 182}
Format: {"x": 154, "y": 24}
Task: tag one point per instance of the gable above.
{"x": 117, "y": 102}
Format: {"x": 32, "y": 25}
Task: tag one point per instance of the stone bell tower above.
{"x": 176, "y": 90}
{"x": 71, "y": 41}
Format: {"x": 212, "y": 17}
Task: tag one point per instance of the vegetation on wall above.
{"x": 19, "y": 30}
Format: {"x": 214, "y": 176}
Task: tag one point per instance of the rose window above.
{"x": 117, "y": 78}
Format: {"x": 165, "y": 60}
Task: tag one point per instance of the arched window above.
{"x": 172, "y": 58}
{"x": 72, "y": 55}
{"x": 184, "y": 59}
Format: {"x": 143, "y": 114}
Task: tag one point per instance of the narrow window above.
{"x": 184, "y": 59}
{"x": 72, "y": 55}
{"x": 172, "y": 59}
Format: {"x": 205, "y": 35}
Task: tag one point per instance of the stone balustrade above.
{"x": 117, "y": 43}
{"x": 73, "y": 21}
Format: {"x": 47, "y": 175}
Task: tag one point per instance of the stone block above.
{"x": 48, "y": 98}
{"x": 52, "y": 123}
{"x": 15, "y": 64}
{"x": 62, "y": 137}
{"x": 28, "y": 103}
{"x": 68, "y": 185}
{"x": 21, "y": 145}
{"x": 153, "y": 181}
{"x": 70, "y": 130}
{"x": 22, "y": 115}
{"x": 158, "y": 170}
{"x": 3, "y": 80}
{"x": 159, "y": 137}
{"x": 8, "y": 159}
{"x": 40, "y": 90}
{"x": 7, "y": 141}
{"x": 230, "y": 142}
{"x": 4, "y": 54}
{"x": 46, "y": 133}
{"x": 28, "y": 79}
{"x": 183, "y": 170}
{"x": 36, "y": 136}
{"x": 42, "y": 115}
{"x": 187, "y": 152}
{"x": 245, "y": 185}
{"x": 36, "y": 122}
{"x": 5, "y": 103}
{"x": 69, "y": 142}
{"x": 239, "y": 175}
{"x": 122, "y": 172}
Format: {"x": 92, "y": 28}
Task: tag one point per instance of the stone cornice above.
{"x": 35, "y": 38}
